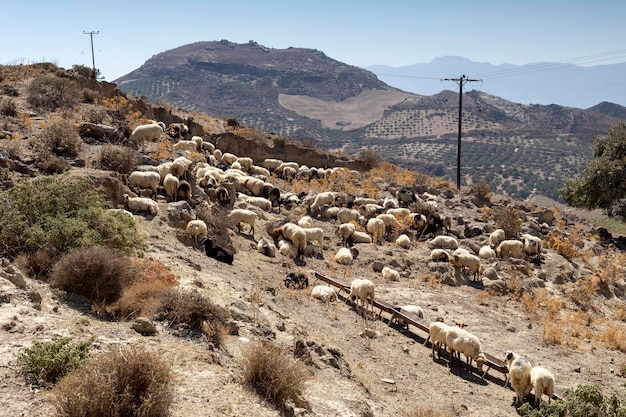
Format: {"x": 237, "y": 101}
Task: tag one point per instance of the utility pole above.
{"x": 462, "y": 80}
{"x": 93, "y": 59}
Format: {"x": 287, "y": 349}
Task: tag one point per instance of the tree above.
{"x": 603, "y": 183}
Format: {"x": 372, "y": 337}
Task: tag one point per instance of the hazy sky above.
{"x": 356, "y": 32}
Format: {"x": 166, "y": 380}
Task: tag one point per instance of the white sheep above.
{"x": 180, "y": 166}
{"x": 245, "y": 162}
{"x": 164, "y": 169}
{"x": 347, "y": 215}
{"x": 207, "y": 146}
{"x": 459, "y": 251}
{"x": 496, "y": 237}
{"x": 266, "y": 247}
{"x": 135, "y": 204}
{"x": 255, "y": 185}
{"x": 229, "y": 158}
{"x": 486, "y": 252}
{"x": 389, "y": 220}
{"x": 116, "y": 211}
{"x": 305, "y": 222}
{"x": 286, "y": 248}
{"x": 259, "y": 171}
{"x": 390, "y": 202}
{"x": 145, "y": 179}
{"x": 360, "y": 237}
{"x": 243, "y": 216}
{"x": 403, "y": 241}
{"x": 260, "y": 202}
{"x": 410, "y": 309}
{"x": 542, "y": 381}
{"x": 462, "y": 341}
{"x": 345, "y": 231}
{"x": 324, "y": 293}
{"x": 519, "y": 375}
{"x": 364, "y": 291}
{"x": 437, "y": 332}
{"x": 444, "y": 242}
{"x": 289, "y": 173}
{"x": 467, "y": 261}
{"x": 197, "y": 229}
{"x": 390, "y": 274}
{"x": 147, "y": 132}
{"x": 510, "y": 249}
{"x": 532, "y": 245}
{"x": 271, "y": 163}
{"x": 186, "y": 145}
{"x": 315, "y": 235}
{"x": 439, "y": 255}
{"x": 399, "y": 213}
{"x": 295, "y": 234}
{"x": 170, "y": 183}
{"x": 376, "y": 227}
{"x": 344, "y": 256}
{"x": 322, "y": 199}
{"x": 329, "y": 212}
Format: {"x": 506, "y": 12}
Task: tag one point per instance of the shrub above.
{"x": 59, "y": 214}
{"x": 9, "y": 90}
{"x": 274, "y": 375}
{"x": 54, "y": 165}
{"x": 481, "y": 190}
{"x": 190, "y": 312}
{"x": 98, "y": 273}
{"x": 8, "y": 107}
{"x": 47, "y": 362}
{"x": 508, "y": 219}
{"x": 232, "y": 122}
{"x": 583, "y": 401}
{"x": 371, "y": 158}
{"x": 88, "y": 95}
{"x": 118, "y": 158}
{"x": 48, "y": 93}
{"x": 95, "y": 114}
{"x": 59, "y": 138}
{"x": 127, "y": 382}
{"x": 421, "y": 411}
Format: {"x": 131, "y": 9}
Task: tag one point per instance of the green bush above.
{"x": 59, "y": 138}
{"x": 59, "y": 214}
{"x": 584, "y": 401}
{"x": 47, "y": 93}
{"x": 47, "y": 362}
{"x": 127, "y": 382}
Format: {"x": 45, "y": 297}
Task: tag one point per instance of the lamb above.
{"x": 542, "y": 381}
{"x": 286, "y": 248}
{"x": 519, "y": 375}
{"x": 315, "y": 235}
{"x": 390, "y": 274}
{"x": 444, "y": 242}
{"x": 439, "y": 255}
{"x": 462, "y": 341}
{"x": 305, "y": 222}
{"x": 135, "y": 204}
{"x": 364, "y": 291}
{"x": 143, "y": 133}
{"x": 532, "y": 245}
{"x": 197, "y": 229}
{"x": 145, "y": 179}
{"x": 376, "y": 227}
{"x": 217, "y": 252}
{"x": 344, "y": 256}
{"x": 170, "y": 183}
{"x": 266, "y": 248}
{"x": 403, "y": 241}
{"x": 324, "y": 293}
{"x": 486, "y": 252}
{"x": 346, "y": 230}
{"x": 496, "y": 237}
{"x": 510, "y": 249}
{"x": 243, "y": 216}
{"x": 469, "y": 262}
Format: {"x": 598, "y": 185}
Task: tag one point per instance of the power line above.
{"x": 93, "y": 59}
{"x": 461, "y": 81}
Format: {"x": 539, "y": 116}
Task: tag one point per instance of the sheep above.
{"x": 444, "y": 242}
{"x": 437, "y": 332}
{"x": 223, "y": 196}
{"x": 347, "y": 215}
{"x": 143, "y": 133}
{"x": 266, "y": 248}
{"x": 217, "y": 154}
{"x": 164, "y": 169}
{"x": 405, "y": 197}
{"x": 324, "y": 293}
{"x": 315, "y": 235}
{"x": 177, "y": 130}
{"x": 273, "y": 194}
{"x": 532, "y": 245}
{"x": 376, "y": 227}
{"x": 116, "y": 211}
{"x": 286, "y": 248}
{"x": 496, "y": 237}
{"x": 403, "y": 241}
{"x": 313, "y": 251}
{"x": 344, "y": 256}
{"x": 170, "y": 183}
{"x": 345, "y": 231}
{"x": 369, "y": 211}
{"x": 330, "y": 212}
{"x": 305, "y": 222}
{"x": 180, "y": 166}
{"x": 217, "y": 252}
{"x": 390, "y": 274}
{"x": 389, "y": 221}
{"x": 145, "y": 179}
{"x": 486, "y": 252}
{"x": 510, "y": 249}
{"x": 542, "y": 381}
{"x": 462, "y": 341}
{"x": 399, "y": 212}
{"x": 439, "y": 255}
{"x": 519, "y": 375}
{"x": 289, "y": 173}
{"x": 459, "y": 251}
{"x": 359, "y": 237}
{"x": 471, "y": 262}
{"x": 183, "y": 191}
{"x": 207, "y": 146}
{"x": 322, "y": 199}
{"x": 260, "y": 202}
{"x": 410, "y": 309}
{"x": 259, "y": 171}
{"x": 245, "y": 162}
{"x": 363, "y": 290}
{"x": 296, "y": 281}
{"x": 155, "y": 122}
{"x": 243, "y": 216}
{"x": 390, "y": 202}
{"x": 255, "y": 186}
{"x": 271, "y": 163}
{"x": 197, "y": 228}
{"x": 135, "y": 204}
{"x": 186, "y": 145}
{"x": 295, "y": 234}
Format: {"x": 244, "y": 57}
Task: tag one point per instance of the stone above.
{"x": 144, "y": 326}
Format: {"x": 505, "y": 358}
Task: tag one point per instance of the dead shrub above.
{"x": 97, "y": 273}
{"x": 51, "y": 164}
{"x": 118, "y": 158}
{"x": 39, "y": 264}
{"x": 88, "y": 95}
{"x": 553, "y": 332}
{"x": 274, "y": 374}
{"x": 424, "y": 411}
{"x": 125, "y": 383}
{"x": 508, "y": 219}
{"x": 59, "y": 138}
{"x": 614, "y": 337}
{"x": 481, "y": 190}
{"x": 96, "y": 114}
{"x": 47, "y": 93}
{"x": 8, "y": 107}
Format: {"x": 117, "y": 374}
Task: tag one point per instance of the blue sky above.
{"x": 360, "y": 33}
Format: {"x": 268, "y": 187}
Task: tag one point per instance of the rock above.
{"x": 243, "y": 311}
{"x": 490, "y": 273}
{"x": 99, "y": 132}
{"x": 144, "y": 326}
{"x": 15, "y": 278}
{"x": 473, "y": 230}
{"x": 545, "y": 216}
{"x": 179, "y": 213}
{"x": 378, "y": 266}
{"x": 369, "y": 333}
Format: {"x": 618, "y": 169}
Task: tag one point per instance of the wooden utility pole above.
{"x": 93, "y": 59}
{"x": 462, "y": 80}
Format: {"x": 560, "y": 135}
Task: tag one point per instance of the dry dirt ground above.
{"x": 351, "y": 374}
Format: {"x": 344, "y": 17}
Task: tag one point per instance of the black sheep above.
{"x": 214, "y": 251}
{"x": 296, "y": 281}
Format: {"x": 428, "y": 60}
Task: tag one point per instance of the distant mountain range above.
{"x": 534, "y": 83}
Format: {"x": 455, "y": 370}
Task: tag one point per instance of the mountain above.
{"x": 303, "y": 94}
{"x": 538, "y": 83}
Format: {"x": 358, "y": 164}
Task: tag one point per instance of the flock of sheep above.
{"x": 404, "y": 216}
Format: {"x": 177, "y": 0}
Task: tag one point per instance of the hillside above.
{"x": 303, "y": 94}
{"x": 564, "y": 310}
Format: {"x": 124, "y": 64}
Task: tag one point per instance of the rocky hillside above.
{"x": 564, "y": 309}
{"x": 303, "y": 94}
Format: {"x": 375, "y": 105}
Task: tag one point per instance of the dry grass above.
{"x": 426, "y": 411}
